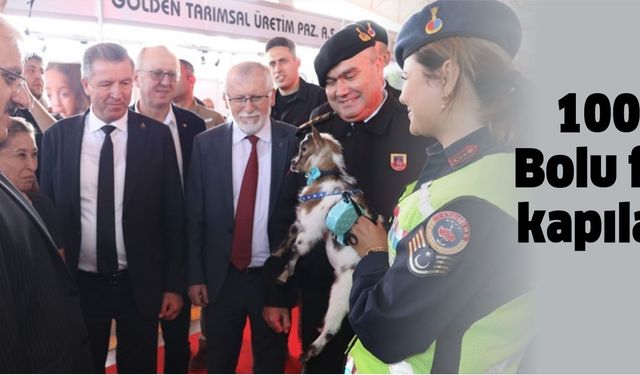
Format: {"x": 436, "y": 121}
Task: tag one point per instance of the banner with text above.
{"x": 213, "y": 17}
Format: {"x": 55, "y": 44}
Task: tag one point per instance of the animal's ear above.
{"x": 315, "y": 135}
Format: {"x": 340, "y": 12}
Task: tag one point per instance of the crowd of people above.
{"x": 133, "y": 211}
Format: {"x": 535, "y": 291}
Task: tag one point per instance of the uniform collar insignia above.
{"x": 463, "y": 155}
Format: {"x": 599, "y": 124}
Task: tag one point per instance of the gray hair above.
{"x": 103, "y": 51}
{"x": 244, "y": 69}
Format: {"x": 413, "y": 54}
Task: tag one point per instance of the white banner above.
{"x": 255, "y": 20}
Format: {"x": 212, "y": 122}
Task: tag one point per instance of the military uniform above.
{"x": 459, "y": 299}
{"x": 211, "y": 118}
{"x": 454, "y": 292}
{"x": 296, "y": 108}
{"x": 383, "y": 157}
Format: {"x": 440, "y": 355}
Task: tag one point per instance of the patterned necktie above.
{"x": 106, "y": 231}
{"x": 243, "y": 228}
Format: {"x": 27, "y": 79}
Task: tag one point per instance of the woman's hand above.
{"x": 370, "y": 236}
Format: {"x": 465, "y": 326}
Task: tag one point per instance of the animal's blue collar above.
{"x": 322, "y": 194}
{"x": 315, "y": 173}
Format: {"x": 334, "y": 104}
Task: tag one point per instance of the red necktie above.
{"x": 243, "y": 228}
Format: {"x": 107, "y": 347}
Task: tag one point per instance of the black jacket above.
{"x": 41, "y": 325}
{"x": 189, "y": 125}
{"x": 152, "y": 218}
{"x": 298, "y": 106}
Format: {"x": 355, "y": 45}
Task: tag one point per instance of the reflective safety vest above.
{"x": 495, "y": 342}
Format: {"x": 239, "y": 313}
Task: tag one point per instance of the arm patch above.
{"x": 433, "y": 248}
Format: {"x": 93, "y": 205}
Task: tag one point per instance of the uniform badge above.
{"x": 362, "y": 35}
{"x": 447, "y": 232}
{"x": 423, "y": 260}
{"x": 370, "y": 30}
{"x": 467, "y": 153}
{"x": 398, "y": 162}
{"x": 435, "y": 24}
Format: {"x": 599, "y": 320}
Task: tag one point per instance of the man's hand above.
{"x": 278, "y": 318}
{"x": 198, "y": 295}
{"x": 171, "y": 305}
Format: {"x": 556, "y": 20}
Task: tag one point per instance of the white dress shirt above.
{"x": 241, "y": 149}
{"x": 92, "y": 140}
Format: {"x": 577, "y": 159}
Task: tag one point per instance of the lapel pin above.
{"x": 184, "y": 125}
{"x": 143, "y": 126}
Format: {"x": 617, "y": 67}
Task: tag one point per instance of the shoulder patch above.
{"x": 423, "y": 260}
{"x": 448, "y": 232}
{"x": 398, "y": 162}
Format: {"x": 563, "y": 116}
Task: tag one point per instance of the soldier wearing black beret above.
{"x": 379, "y": 152}
{"x": 447, "y": 289}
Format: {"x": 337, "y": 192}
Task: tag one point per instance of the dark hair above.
{"x": 18, "y": 125}
{"x": 188, "y": 66}
{"x": 489, "y": 69}
{"x": 281, "y": 41}
{"x": 72, "y": 72}
{"x": 33, "y": 56}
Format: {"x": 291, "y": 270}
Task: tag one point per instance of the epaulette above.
{"x": 306, "y": 127}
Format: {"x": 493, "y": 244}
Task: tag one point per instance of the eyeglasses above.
{"x": 158, "y": 75}
{"x": 254, "y": 99}
{"x": 12, "y": 79}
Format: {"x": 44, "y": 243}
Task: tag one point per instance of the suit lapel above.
{"x": 183, "y": 130}
{"x": 136, "y": 145}
{"x": 279, "y": 163}
{"x": 225, "y": 155}
{"x": 73, "y": 154}
{"x": 184, "y": 134}
{"x": 6, "y": 185}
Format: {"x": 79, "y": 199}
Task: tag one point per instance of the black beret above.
{"x": 491, "y": 20}
{"x": 342, "y": 45}
{"x": 376, "y": 31}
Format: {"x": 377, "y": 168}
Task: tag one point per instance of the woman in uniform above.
{"x": 447, "y": 290}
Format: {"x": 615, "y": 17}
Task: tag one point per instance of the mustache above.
{"x": 248, "y": 114}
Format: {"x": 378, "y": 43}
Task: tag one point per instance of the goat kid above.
{"x": 320, "y": 158}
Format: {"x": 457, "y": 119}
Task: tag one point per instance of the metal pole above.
{"x": 100, "y": 21}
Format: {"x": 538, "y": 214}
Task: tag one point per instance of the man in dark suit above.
{"x": 41, "y": 325}
{"x": 156, "y": 76}
{"x": 113, "y": 174}
{"x": 240, "y": 203}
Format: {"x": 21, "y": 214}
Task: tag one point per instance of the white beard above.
{"x": 250, "y": 128}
